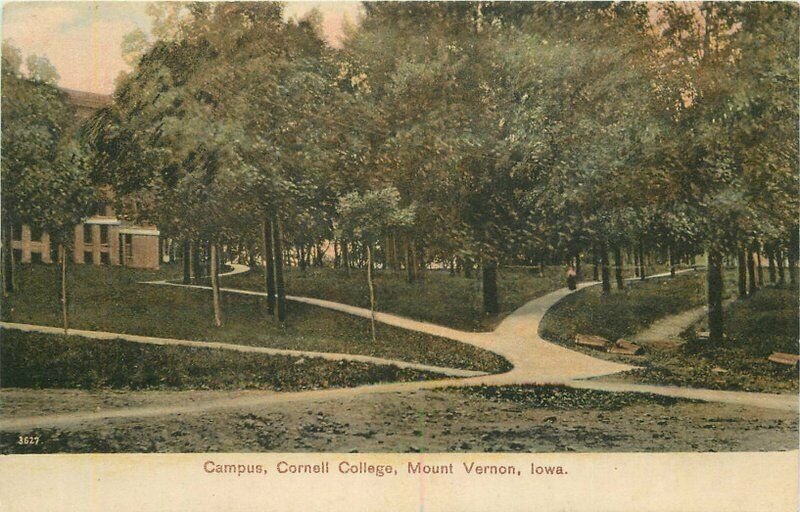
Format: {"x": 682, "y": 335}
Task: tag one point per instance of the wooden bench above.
{"x": 595, "y": 342}
{"x": 626, "y": 348}
{"x": 784, "y": 358}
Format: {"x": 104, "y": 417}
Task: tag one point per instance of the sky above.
{"x": 82, "y": 39}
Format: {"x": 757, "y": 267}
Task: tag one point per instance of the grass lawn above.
{"x": 33, "y": 360}
{"x": 436, "y": 297}
{"x": 622, "y": 313}
{"x": 110, "y": 299}
{"x": 765, "y": 322}
{"x": 755, "y": 327}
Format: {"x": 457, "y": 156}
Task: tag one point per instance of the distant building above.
{"x": 102, "y": 239}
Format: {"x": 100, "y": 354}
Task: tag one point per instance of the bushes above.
{"x": 550, "y": 396}
{"x": 765, "y": 322}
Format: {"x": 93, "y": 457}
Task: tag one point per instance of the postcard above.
{"x": 434, "y": 256}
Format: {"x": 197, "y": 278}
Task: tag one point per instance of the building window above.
{"x": 36, "y": 257}
{"x": 87, "y": 234}
{"x": 128, "y": 247}
{"x": 104, "y": 234}
{"x": 87, "y": 257}
{"x": 105, "y": 259}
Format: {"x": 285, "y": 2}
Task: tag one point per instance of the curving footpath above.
{"x": 535, "y": 361}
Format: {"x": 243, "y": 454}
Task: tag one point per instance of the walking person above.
{"x": 572, "y": 278}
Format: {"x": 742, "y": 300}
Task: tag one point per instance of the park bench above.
{"x": 784, "y": 358}
{"x": 595, "y": 342}
{"x": 620, "y": 346}
{"x": 626, "y": 348}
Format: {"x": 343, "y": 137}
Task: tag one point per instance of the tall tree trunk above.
{"x": 395, "y": 255}
{"x": 62, "y": 257}
{"x": 671, "y": 250}
{"x": 595, "y": 264}
{"x": 336, "y": 261}
{"x": 636, "y": 262}
{"x": 187, "y": 261}
{"x": 715, "y": 318}
{"x": 760, "y": 266}
{"x": 197, "y": 269}
{"x": 779, "y": 262}
{"x": 371, "y": 291}
{"x": 642, "y": 271}
{"x": 771, "y": 257}
{"x": 604, "y": 271}
{"x": 319, "y": 255}
{"x": 490, "y": 302}
{"x": 346, "y": 257}
{"x": 269, "y": 264}
{"x": 280, "y": 286}
{"x": 301, "y": 257}
{"x": 741, "y": 265}
{"x": 618, "y": 268}
{"x": 8, "y": 257}
{"x": 468, "y": 267}
{"x": 792, "y": 255}
{"x": 389, "y": 256}
{"x": 208, "y": 258}
{"x": 214, "y": 268}
{"x": 578, "y": 271}
{"x": 411, "y": 266}
{"x": 751, "y": 270}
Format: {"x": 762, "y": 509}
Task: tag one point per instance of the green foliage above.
{"x": 45, "y": 173}
{"x": 12, "y": 58}
{"x": 369, "y": 216}
{"x": 41, "y": 70}
{"x": 766, "y": 322}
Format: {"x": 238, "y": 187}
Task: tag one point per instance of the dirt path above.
{"x": 535, "y": 361}
{"x": 666, "y": 332}
{"x": 429, "y": 421}
{"x": 516, "y": 338}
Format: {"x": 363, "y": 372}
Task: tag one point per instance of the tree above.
{"x": 735, "y": 91}
{"x": 63, "y": 198}
{"x": 45, "y": 174}
{"x": 37, "y": 122}
{"x": 40, "y": 70}
{"x": 367, "y": 218}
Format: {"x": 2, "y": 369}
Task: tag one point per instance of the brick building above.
{"x": 102, "y": 239}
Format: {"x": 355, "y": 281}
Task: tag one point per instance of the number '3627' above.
{"x": 28, "y": 440}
